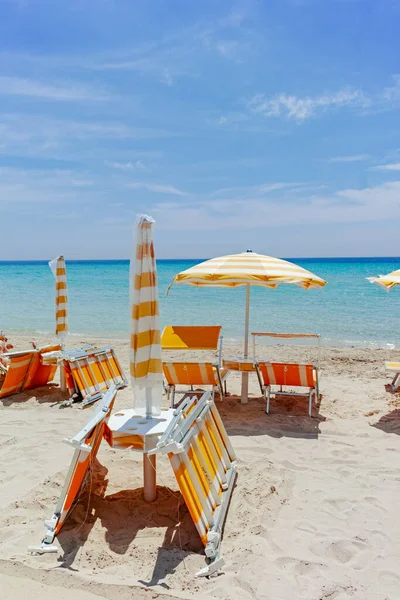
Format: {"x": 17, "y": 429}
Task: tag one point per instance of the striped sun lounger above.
{"x": 27, "y": 371}
{"x": 288, "y": 375}
{"x": 193, "y": 373}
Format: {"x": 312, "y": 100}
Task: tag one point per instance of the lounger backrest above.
{"x": 177, "y": 337}
{"x": 95, "y": 372}
{"x": 274, "y": 373}
{"x": 186, "y": 373}
{"x": 40, "y": 374}
{"x": 17, "y": 373}
{"x": 204, "y": 464}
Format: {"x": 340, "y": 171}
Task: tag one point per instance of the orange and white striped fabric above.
{"x": 145, "y": 351}
{"x": 58, "y": 269}
{"x": 248, "y": 268}
{"x": 387, "y": 281}
{"x": 297, "y": 375}
{"x": 187, "y": 373}
{"x": 204, "y": 464}
{"x": 86, "y": 444}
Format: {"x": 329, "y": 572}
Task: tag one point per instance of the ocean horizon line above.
{"x": 198, "y": 259}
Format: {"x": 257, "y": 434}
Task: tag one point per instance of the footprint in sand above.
{"x": 299, "y": 567}
{"x": 343, "y": 551}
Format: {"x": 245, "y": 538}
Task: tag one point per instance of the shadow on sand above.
{"x": 389, "y": 423}
{"x": 288, "y": 417}
{"x": 125, "y": 516}
{"x": 47, "y": 394}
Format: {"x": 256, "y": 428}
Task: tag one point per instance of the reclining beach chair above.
{"x": 394, "y": 368}
{"x": 89, "y": 372}
{"x": 288, "y": 375}
{"x": 27, "y": 371}
{"x": 193, "y": 373}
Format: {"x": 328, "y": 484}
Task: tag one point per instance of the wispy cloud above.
{"x": 299, "y": 109}
{"x": 62, "y": 91}
{"x": 156, "y": 187}
{"x": 127, "y": 166}
{"x": 343, "y": 206}
{"x": 390, "y": 167}
{"x": 349, "y": 159}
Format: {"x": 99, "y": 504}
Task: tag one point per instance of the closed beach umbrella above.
{"x": 387, "y": 281}
{"x": 247, "y": 269}
{"x": 57, "y": 265}
{"x": 145, "y": 350}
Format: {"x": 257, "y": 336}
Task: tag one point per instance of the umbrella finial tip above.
{"x": 249, "y": 250}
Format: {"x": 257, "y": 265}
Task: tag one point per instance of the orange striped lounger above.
{"x": 27, "y": 371}
{"x": 193, "y": 373}
{"x": 288, "y": 374}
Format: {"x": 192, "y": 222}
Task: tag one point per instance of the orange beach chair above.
{"x": 26, "y": 371}
{"x": 289, "y": 375}
{"x": 193, "y": 373}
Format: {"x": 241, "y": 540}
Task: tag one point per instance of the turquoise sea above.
{"x": 348, "y": 311}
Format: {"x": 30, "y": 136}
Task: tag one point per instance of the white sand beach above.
{"x": 314, "y": 514}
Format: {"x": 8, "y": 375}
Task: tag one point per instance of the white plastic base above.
{"x": 42, "y": 549}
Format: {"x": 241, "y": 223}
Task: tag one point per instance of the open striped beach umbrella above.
{"x": 387, "y": 281}
{"x": 247, "y": 269}
{"x": 145, "y": 351}
{"x": 57, "y": 266}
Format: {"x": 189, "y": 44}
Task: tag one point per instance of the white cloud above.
{"x": 392, "y": 93}
{"x": 156, "y": 187}
{"x": 299, "y": 109}
{"x": 128, "y": 166}
{"x": 379, "y": 203}
{"x": 67, "y": 91}
{"x": 390, "y": 167}
{"x": 348, "y": 159}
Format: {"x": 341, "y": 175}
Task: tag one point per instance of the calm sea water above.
{"x": 348, "y": 311}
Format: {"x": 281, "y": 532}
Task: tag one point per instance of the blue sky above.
{"x": 271, "y": 125}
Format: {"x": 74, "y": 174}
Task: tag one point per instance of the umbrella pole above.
{"x": 245, "y": 375}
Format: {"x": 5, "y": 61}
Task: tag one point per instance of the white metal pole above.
{"x": 149, "y": 477}
{"x": 245, "y": 374}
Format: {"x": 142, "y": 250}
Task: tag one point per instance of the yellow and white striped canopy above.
{"x": 387, "y": 281}
{"x": 248, "y": 268}
{"x": 145, "y": 351}
{"x": 57, "y": 265}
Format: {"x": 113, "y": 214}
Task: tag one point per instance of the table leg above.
{"x": 149, "y": 477}
{"x": 245, "y": 388}
{"x": 63, "y": 385}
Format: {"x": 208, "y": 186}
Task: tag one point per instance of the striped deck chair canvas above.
{"x": 86, "y": 444}
{"x": 91, "y": 372}
{"x": 193, "y": 373}
{"x": 17, "y": 372}
{"x": 204, "y": 464}
{"x": 288, "y": 374}
{"x": 41, "y": 374}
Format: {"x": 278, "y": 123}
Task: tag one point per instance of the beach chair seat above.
{"x": 394, "y": 368}
{"x": 289, "y": 375}
{"x": 193, "y": 372}
{"x": 26, "y": 371}
{"x": 89, "y": 372}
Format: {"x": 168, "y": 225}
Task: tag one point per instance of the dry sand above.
{"x": 314, "y": 515}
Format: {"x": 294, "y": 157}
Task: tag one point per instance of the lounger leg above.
{"x": 268, "y": 390}
{"x": 395, "y": 384}
{"x": 172, "y": 389}
{"x": 310, "y": 395}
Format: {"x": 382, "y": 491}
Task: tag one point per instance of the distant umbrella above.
{"x": 57, "y": 265}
